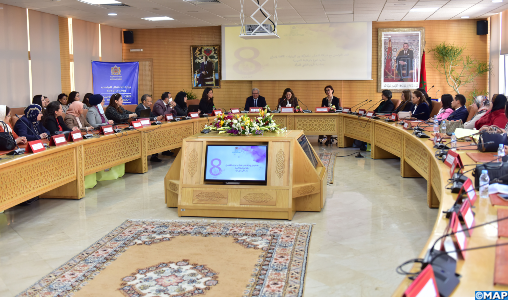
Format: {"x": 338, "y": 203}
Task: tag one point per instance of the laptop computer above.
{"x": 144, "y": 113}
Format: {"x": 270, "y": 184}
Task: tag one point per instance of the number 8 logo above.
{"x": 215, "y": 170}
{"x": 247, "y": 65}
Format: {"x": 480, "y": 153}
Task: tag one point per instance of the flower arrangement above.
{"x": 243, "y": 125}
{"x": 332, "y": 108}
{"x": 298, "y": 109}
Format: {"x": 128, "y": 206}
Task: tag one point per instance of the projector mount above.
{"x": 262, "y": 30}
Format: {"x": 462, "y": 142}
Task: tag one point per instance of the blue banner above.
{"x": 116, "y": 77}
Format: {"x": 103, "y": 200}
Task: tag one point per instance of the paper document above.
{"x": 498, "y": 188}
{"x": 461, "y": 132}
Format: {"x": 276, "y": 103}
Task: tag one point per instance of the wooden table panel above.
{"x": 390, "y": 139}
{"x": 356, "y": 128}
{"x": 168, "y": 137}
{"x": 315, "y": 125}
{"x": 417, "y": 156}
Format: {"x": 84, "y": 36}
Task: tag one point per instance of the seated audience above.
{"x": 29, "y": 125}
{"x": 288, "y": 99}
{"x": 181, "y": 104}
{"x": 52, "y": 119}
{"x": 86, "y": 100}
{"x": 41, "y": 100}
{"x": 255, "y": 100}
{"x": 62, "y": 98}
{"x": 164, "y": 106}
{"x": 5, "y": 121}
{"x": 74, "y": 96}
{"x": 483, "y": 105}
{"x": 386, "y": 106}
{"x": 206, "y": 105}
{"x": 460, "y": 111}
{"x": 421, "y": 110}
{"x": 96, "y": 116}
{"x": 146, "y": 102}
{"x": 495, "y": 116}
{"x": 74, "y": 117}
{"x": 116, "y": 112}
{"x": 446, "y": 109}
{"x": 405, "y": 102}
{"x": 427, "y": 97}
{"x": 330, "y": 99}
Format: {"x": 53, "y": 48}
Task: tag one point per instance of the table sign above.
{"x": 194, "y": 115}
{"x": 467, "y": 216}
{"x": 437, "y": 138}
{"x": 217, "y": 112}
{"x": 407, "y": 125}
{"x": 287, "y": 110}
{"x": 136, "y": 124}
{"x": 57, "y": 140}
{"x": 346, "y": 109}
{"x": 361, "y": 112}
{"x": 322, "y": 109}
{"x": 169, "y": 117}
{"x": 370, "y": 114}
{"x": 106, "y": 130}
{"x": 453, "y": 160}
{"x": 75, "y": 136}
{"x": 145, "y": 122}
{"x": 459, "y": 235}
{"x": 424, "y": 285}
{"x": 395, "y": 117}
{"x": 469, "y": 190}
{"x": 235, "y": 110}
{"x": 254, "y": 109}
{"x": 35, "y": 146}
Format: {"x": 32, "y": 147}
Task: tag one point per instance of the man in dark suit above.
{"x": 255, "y": 100}
{"x": 404, "y": 61}
{"x": 146, "y": 102}
{"x": 205, "y": 71}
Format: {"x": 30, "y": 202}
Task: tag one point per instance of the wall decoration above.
{"x": 205, "y": 65}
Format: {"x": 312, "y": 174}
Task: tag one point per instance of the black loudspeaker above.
{"x": 482, "y": 27}
{"x": 128, "y": 37}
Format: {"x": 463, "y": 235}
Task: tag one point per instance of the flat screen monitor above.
{"x": 236, "y": 164}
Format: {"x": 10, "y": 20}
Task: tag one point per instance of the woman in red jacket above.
{"x": 494, "y": 117}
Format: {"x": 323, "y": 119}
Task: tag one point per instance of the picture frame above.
{"x": 206, "y": 66}
{"x": 400, "y": 53}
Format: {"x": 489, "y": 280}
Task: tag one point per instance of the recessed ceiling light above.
{"x": 112, "y": 14}
{"x": 464, "y": 17}
{"x": 497, "y": 1}
{"x": 158, "y": 19}
{"x": 99, "y": 2}
{"x": 424, "y": 9}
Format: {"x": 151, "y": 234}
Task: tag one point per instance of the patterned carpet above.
{"x": 328, "y": 160}
{"x": 186, "y": 258}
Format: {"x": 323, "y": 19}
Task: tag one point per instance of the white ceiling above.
{"x": 227, "y": 12}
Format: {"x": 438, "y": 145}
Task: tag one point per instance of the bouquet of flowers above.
{"x": 243, "y": 125}
{"x": 332, "y": 108}
{"x": 298, "y": 109}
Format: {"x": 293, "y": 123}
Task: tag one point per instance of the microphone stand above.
{"x": 351, "y": 109}
{"x": 307, "y": 108}
{"x": 374, "y": 104}
{"x": 356, "y": 113}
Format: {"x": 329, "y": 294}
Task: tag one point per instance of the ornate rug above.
{"x": 186, "y": 258}
{"x": 328, "y": 160}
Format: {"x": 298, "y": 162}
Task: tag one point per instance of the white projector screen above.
{"x": 328, "y": 51}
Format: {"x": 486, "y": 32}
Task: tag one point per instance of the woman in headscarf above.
{"x": 95, "y": 115}
{"x": 74, "y": 117}
{"x": 53, "y": 120}
{"x": 494, "y": 118}
{"x": 30, "y": 126}
{"x": 181, "y": 104}
{"x": 5, "y": 121}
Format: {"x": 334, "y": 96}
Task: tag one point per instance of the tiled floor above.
{"x": 372, "y": 221}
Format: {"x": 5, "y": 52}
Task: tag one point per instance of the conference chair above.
{"x": 396, "y": 102}
{"x": 472, "y": 109}
{"x": 436, "y": 106}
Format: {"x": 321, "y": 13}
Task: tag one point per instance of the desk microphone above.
{"x": 351, "y": 109}
{"x": 430, "y": 89}
{"x": 358, "y": 108}
{"x": 307, "y": 108}
{"x": 374, "y": 104}
{"x": 87, "y": 135}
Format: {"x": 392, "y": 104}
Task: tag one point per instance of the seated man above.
{"x": 164, "y": 106}
{"x": 460, "y": 110}
{"x": 255, "y": 100}
{"x": 146, "y": 102}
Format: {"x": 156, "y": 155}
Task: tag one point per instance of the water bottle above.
{"x": 484, "y": 184}
{"x": 436, "y": 125}
{"x": 443, "y": 127}
{"x": 500, "y": 153}
{"x": 453, "y": 143}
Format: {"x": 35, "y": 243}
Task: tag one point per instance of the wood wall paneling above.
{"x": 63, "y": 27}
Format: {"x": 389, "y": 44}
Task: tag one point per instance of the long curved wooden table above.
{"x": 59, "y": 173}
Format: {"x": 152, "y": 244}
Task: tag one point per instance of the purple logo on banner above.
{"x": 116, "y": 77}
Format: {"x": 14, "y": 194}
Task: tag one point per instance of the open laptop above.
{"x": 144, "y": 113}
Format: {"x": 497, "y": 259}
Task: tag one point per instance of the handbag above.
{"x": 7, "y": 142}
{"x": 498, "y": 173}
{"x": 489, "y": 141}
{"x": 452, "y": 125}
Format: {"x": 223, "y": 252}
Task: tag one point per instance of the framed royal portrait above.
{"x": 205, "y": 66}
{"x": 399, "y": 58}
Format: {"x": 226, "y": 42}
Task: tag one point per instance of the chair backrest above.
{"x": 85, "y": 111}
{"x": 396, "y": 102}
{"x": 472, "y": 109}
{"x": 435, "y": 108}
{"x": 14, "y": 119}
{"x": 130, "y": 107}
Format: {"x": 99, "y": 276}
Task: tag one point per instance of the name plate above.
{"x": 395, "y": 117}
{"x": 136, "y": 124}
{"x": 57, "y": 140}
{"x": 144, "y": 122}
{"x": 287, "y": 110}
{"x": 362, "y": 112}
{"x": 106, "y": 130}
{"x": 346, "y": 109}
{"x": 370, "y": 114}
{"x": 217, "y": 112}
{"x": 235, "y": 110}
{"x": 468, "y": 188}
{"x": 424, "y": 285}
{"x": 459, "y": 235}
{"x": 254, "y": 109}
{"x": 169, "y": 118}
{"x": 467, "y": 216}
{"x": 453, "y": 160}
{"x": 322, "y": 109}
{"x": 407, "y": 125}
{"x": 35, "y": 146}
{"x": 194, "y": 115}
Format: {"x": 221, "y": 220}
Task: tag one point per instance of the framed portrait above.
{"x": 399, "y": 58}
{"x": 205, "y": 66}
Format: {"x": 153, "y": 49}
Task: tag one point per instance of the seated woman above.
{"x": 427, "y": 97}
{"x": 62, "y": 98}
{"x": 405, "y": 102}
{"x": 206, "y": 105}
{"x": 5, "y": 120}
{"x": 446, "y": 108}
{"x": 495, "y": 117}
{"x": 386, "y": 106}
{"x": 86, "y": 100}
{"x": 116, "y": 112}
{"x": 52, "y": 119}
{"x": 288, "y": 99}
{"x": 74, "y": 97}
{"x": 29, "y": 125}
{"x": 95, "y": 115}
{"x": 484, "y": 104}
{"x": 421, "y": 110}
{"x": 74, "y": 117}
{"x": 41, "y": 100}
{"x": 181, "y": 104}
{"x": 328, "y": 101}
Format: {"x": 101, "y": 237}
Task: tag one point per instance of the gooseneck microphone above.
{"x": 374, "y": 104}
{"x": 307, "y": 108}
{"x": 358, "y": 108}
{"x": 351, "y": 109}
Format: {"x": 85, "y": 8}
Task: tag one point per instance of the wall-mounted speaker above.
{"x": 128, "y": 37}
{"x": 482, "y": 27}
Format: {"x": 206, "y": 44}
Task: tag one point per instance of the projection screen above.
{"x": 328, "y": 51}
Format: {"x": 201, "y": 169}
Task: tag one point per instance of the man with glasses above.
{"x": 255, "y": 100}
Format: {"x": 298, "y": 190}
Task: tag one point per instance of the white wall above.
{"x": 111, "y": 44}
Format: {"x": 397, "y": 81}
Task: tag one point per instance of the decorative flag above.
{"x": 423, "y": 73}
{"x": 388, "y": 64}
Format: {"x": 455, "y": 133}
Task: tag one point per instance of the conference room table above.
{"x": 59, "y": 172}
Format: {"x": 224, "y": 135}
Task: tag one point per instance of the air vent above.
{"x": 195, "y": 2}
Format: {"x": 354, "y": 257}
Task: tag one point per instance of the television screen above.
{"x": 304, "y": 143}
{"x": 236, "y": 163}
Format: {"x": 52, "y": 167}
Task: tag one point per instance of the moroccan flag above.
{"x": 423, "y": 73}
{"x": 388, "y": 64}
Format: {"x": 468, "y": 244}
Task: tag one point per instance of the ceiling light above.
{"x": 100, "y": 2}
{"x": 424, "y": 9}
{"x": 158, "y": 19}
{"x": 464, "y": 17}
{"x": 497, "y": 1}
{"x": 112, "y": 14}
